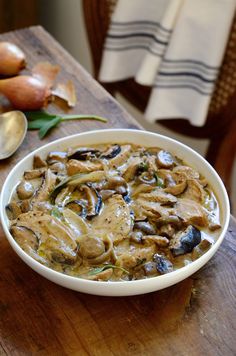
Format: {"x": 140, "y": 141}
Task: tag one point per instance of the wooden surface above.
{"x": 37, "y": 317}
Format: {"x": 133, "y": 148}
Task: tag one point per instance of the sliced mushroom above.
{"x": 78, "y": 207}
{"x": 25, "y": 190}
{"x": 185, "y": 241}
{"x": 121, "y": 157}
{"x": 141, "y": 188}
{"x": 26, "y": 206}
{"x": 177, "y": 184}
{"x": 200, "y": 249}
{"x": 85, "y": 178}
{"x": 63, "y": 196}
{"x": 47, "y": 186}
{"x": 106, "y": 194}
{"x": 38, "y": 162}
{"x": 145, "y": 227}
{"x": 214, "y": 223}
{"x": 111, "y": 152}
{"x": 163, "y": 265}
{"x": 94, "y": 200}
{"x": 25, "y": 237}
{"x": 58, "y": 167}
{"x": 34, "y": 173}
{"x": 83, "y": 153}
{"x": 13, "y": 210}
{"x": 116, "y": 183}
{"x": 165, "y": 159}
{"x": 134, "y": 166}
{"x": 147, "y": 178}
{"x": 56, "y": 156}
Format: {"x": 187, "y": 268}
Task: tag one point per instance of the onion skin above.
{"x": 25, "y": 92}
{"x": 12, "y": 59}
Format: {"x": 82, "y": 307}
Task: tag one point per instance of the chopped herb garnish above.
{"x": 55, "y": 212}
{"x": 142, "y": 167}
{"x": 97, "y": 270}
{"x": 159, "y": 181}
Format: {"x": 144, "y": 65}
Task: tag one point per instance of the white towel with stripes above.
{"x": 175, "y": 46}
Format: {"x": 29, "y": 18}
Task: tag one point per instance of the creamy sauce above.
{"x": 114, "y": 212}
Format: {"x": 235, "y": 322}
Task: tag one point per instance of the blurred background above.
{"x": 65, "y": 21}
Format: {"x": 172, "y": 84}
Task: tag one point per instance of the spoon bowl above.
{"x": 13, "y": 127}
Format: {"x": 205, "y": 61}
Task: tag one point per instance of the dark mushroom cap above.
{"x": 191, "y": 238}
{"x": 186, "y": 241}
{"x": 111, "y": 152}
{"x": 163, "y": 265}
{"x": 84, "y": 153}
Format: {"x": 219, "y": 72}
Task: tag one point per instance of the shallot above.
{"x": 12, "y": 59}
{"x": 25, "y": 92}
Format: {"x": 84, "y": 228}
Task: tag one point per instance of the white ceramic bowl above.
{"x": 119, "y": 136}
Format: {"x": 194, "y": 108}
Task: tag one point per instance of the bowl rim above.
{"x": 37, "y": 266}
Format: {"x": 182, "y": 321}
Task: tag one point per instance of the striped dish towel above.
{"x": 175, "y": 46}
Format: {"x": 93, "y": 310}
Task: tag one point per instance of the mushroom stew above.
{"x": 113, "y": 212}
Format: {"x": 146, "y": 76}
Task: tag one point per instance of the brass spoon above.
{"x": 13, "y": 127}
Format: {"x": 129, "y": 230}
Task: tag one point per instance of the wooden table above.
{"x": 37, "y": 317}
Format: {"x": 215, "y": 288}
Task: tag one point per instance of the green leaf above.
{"x": 97, "y": 270}
{"x": 35, "y": 115}
{"x": 48, "y": 125}
{"x": 44, "y": 121}
{"x": 38, "y": 123}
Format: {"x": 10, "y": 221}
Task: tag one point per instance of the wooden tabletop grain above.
{"x": 37, "y": 317}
